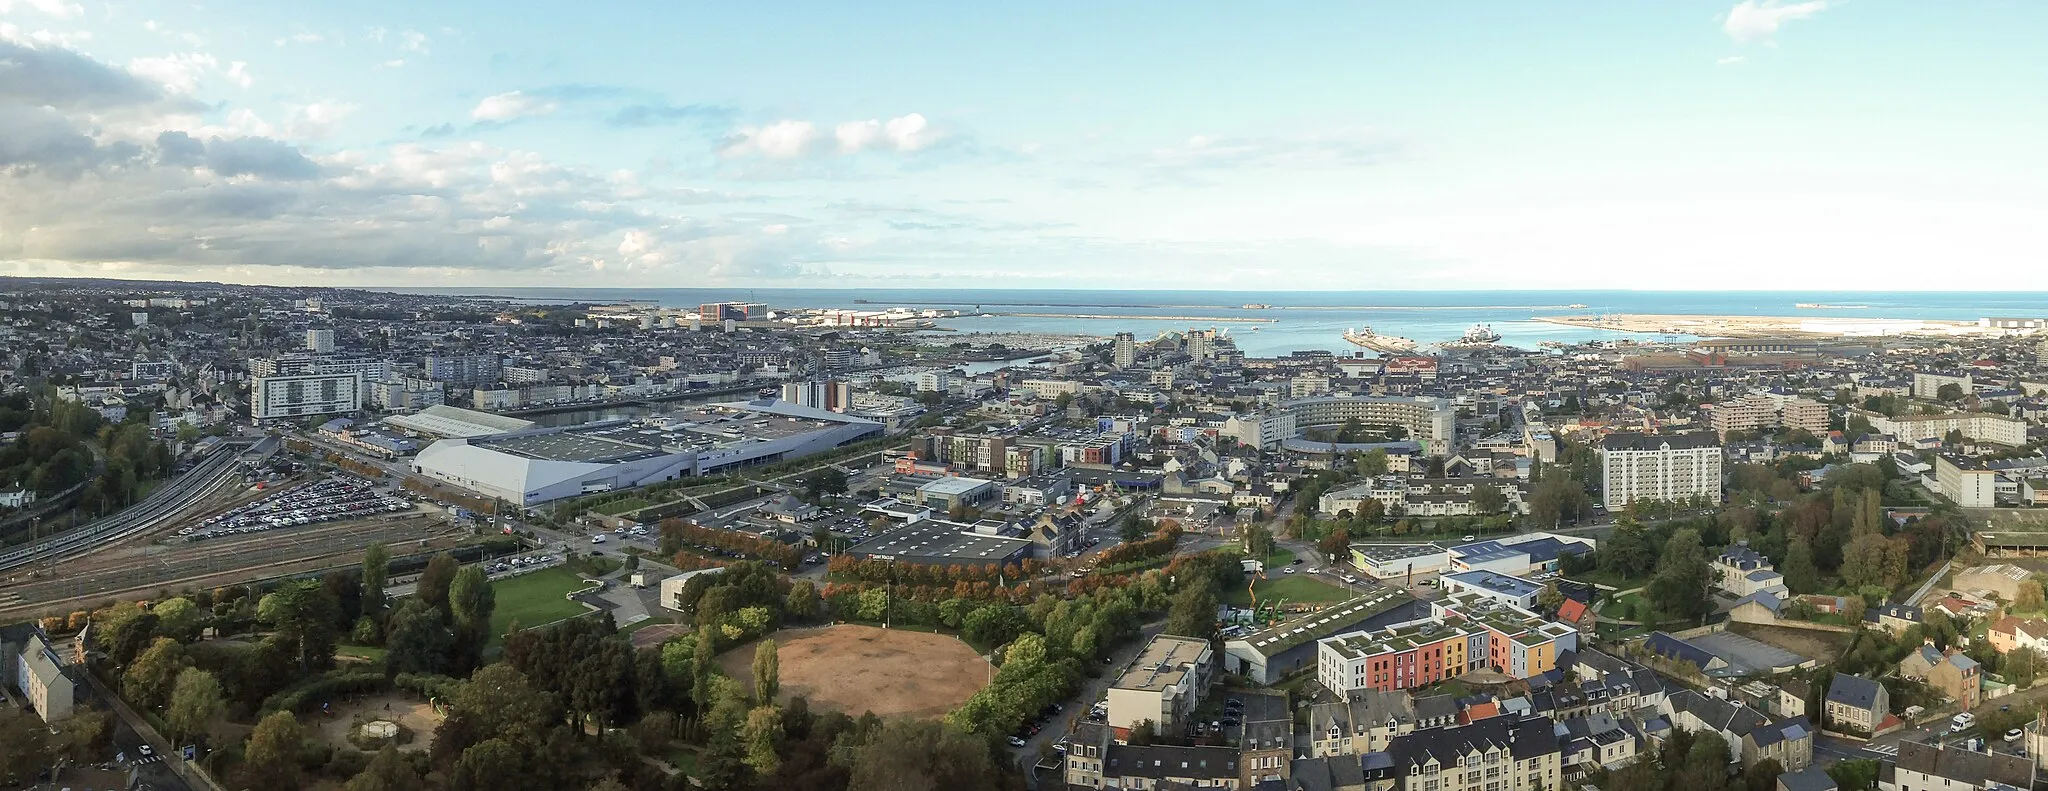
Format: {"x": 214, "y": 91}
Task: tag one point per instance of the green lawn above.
{"x": 371, "y": 653}
{"x": 1297, "y": 587}
{"x": 535, "y": 599}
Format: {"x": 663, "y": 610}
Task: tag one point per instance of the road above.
{"x": 1092, "y": 690}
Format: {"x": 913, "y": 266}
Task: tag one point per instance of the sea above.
{"x": 1265, "y": 323}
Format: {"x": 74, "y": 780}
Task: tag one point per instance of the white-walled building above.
{"x": 1661, "y": 467}
{"x": 274, "y": 397}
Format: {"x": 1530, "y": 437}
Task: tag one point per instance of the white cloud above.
{"x": 178, "y": 73}
{"x": 779, "y": 140}
{"x": 394, "y": 63}
{"x": 1730, "y": 60}
{"x": 56, "y": 8}
{"x": 413, "y": 41}
{"x": 317, "y": 120}
{"x": 238, "y": 73}
{"x": 512, "y": 105}
{"x": 792, "y": 139}
{"x": 299, "y": 38}
{"x": 1753, "y": 20}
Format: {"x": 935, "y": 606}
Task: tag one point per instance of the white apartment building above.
{"x": 1264, "y": 430}
{"x": 1928, "y": 386}
{"x": 1660, "y": 467}
{"x": 1966, "y": 481}
{"x": 1978, "y": 426}
{"x": 320, "y": 341}
{"x": 933, "y": 382}
{"x": 1051, "y": 388}
{"x": 272, "y": 397}
{"x": 1163, "y": 685}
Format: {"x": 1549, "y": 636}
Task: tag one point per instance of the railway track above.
{"x": 176, "y": 495}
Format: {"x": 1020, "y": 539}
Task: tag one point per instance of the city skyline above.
{"x": 1751, "y": 145}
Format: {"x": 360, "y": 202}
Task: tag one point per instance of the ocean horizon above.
{"x": 1275, "y": 322}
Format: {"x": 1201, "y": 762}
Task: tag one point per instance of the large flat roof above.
{"x": 1341, "y": 617}
{"x": 441, "y": 420}
{"x": 570, "y": 446}
{"x": 938, "y": 540}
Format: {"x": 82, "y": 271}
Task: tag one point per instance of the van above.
{"x": 1963, "y": 721}
{"x": 597, "y": 539}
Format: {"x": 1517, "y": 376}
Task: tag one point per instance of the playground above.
{"x": 332, "y": 725}
{"x": 856, "y": 669}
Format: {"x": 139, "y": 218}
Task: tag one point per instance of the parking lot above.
{"x": 305, "y": 504}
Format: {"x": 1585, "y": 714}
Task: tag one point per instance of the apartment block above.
{"x": 272, "y": 397}
{"x": 1659, "y": 467}
{"x": 1163, "y": 685}
{"x": 1965, "y": 481}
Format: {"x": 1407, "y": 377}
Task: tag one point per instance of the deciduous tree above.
{"x": 196, "y": 701}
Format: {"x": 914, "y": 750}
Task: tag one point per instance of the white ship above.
{"x": 1478, "y": 335}
{"x": 1384, "y": 344}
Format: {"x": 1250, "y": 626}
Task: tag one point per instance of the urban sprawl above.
{"x": 261, "y": 537}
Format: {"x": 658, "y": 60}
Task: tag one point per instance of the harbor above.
{"x": 1770, "y": 326}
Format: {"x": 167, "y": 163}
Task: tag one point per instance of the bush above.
{"x": 427, "y": 685}
{"x": 322, "y": 688}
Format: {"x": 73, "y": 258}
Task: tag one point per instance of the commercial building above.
{"x": 1431, "y": 421}
{"x": 732, "y": 311}
{"x": 1518, "y": 555}
{"x": 274, "y": 397}
{"x": 833, "y": 395}
{"x": 320, "y": 341}
{"x": 1660, "y": 467}
{"x": 1499, "y": 587}
{"x": 1163, "y": 685}
{"x": 1965, "y": 481}
{"x": 944, "y": 543}
{"x": 444, "y": 421}
{"x": 1396, "y": 561}
{"x": 542, "y": 465}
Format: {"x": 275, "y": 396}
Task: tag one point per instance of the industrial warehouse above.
{"x": 543, "y": 465}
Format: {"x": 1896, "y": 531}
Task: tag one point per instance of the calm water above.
{"x": 1313, "y": 319}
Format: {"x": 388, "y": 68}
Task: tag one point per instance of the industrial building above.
{"x": 942, "y": 542}
{"x": 1518, "y": 556}
{"x": 442, "y": 422}
{"x": 542, "y": 465}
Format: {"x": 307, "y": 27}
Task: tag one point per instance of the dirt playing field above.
{"x": 855, "y": 669}
{"x": 1824, "y": 646}
{"x": 332, "y": 726}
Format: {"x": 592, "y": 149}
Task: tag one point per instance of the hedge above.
{"x": 322, "y": 688}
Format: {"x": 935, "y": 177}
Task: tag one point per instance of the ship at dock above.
{"x": 1384, "y": 344}
{"x": 1478, "y": 335}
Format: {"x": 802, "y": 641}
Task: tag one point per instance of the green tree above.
{"x": 417, "y": 641}
{"x": 762, "y": 731}
{"x": 196, "y": 701}
{"x": 802, "y": 602}
{"x": 490, "y": 765}
{"x": 1372, "y": 463}
{"x": 389, "y": 771}
{"x": 1550, "y": 598}
{"x": 149, "y": 679}
{"x": 1680, "y": 585}
{"x": 1193, "y": 613}
{"x": 304, "y": 615}
{"x": 1762, "y": 775}
{"x": 1800, "y": 575}
{"x": 472, "y": 602}
{"x": 1258, "y": 541}
{"x": 767, "y": 677}
{"x": 2030, "y": 597}
{"x": 376, "y": 571}
{"x": 498, "y": 699}
{"x": 1133, "y": 528}
{"x": 177, "y": 618}
{"x": 1950, "y": 392}
{"x": 1487, "y": 499}
{"x": 434, "y": 582}
{"x": 921, "y": 755}
{"x": 271, "y": 757}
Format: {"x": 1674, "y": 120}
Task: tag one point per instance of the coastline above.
{"x": 1725, "y": 326}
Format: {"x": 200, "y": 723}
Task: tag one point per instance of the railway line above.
{"x": 241, "y": 558}
{"x": 176, "y": 495}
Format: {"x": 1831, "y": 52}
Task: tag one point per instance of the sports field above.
{"x": 535, "y": 599}
{"x": 1297, "y": 587}
{"x": 856, "y": 669}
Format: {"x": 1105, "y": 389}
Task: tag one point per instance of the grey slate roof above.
{"x": 1853, "y": 691}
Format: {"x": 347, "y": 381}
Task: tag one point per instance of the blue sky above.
{"x": 1812, "y": 144}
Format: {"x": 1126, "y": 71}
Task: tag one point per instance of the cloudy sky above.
{"x": 1876, "y": 144}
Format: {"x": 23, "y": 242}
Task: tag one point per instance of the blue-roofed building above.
{"x": 1513, "y": 590}
{"x": 1518, "y": 556}
{"x": 1855, "y": 704}
{"x": 1893, "y": 618}
{"x": 1759, "y": 607}
{"x": 1787, "y": 741}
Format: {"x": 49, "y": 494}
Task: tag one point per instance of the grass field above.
{"x": 1296, "y": 587}
{"x": 535, "y": 599}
